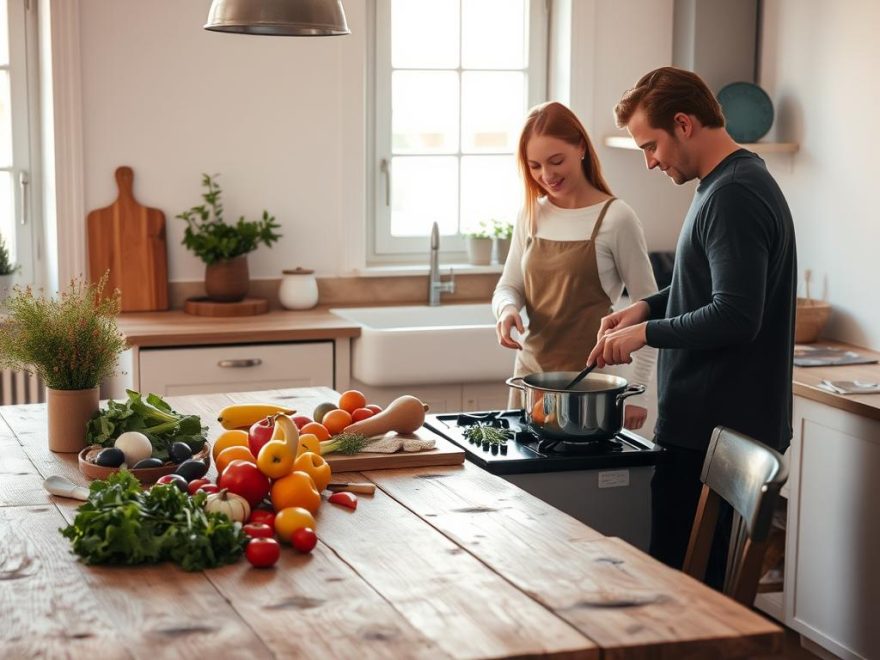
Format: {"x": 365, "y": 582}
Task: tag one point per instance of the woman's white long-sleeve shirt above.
{"x": 621, "y": 255}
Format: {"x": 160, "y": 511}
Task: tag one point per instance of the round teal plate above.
{"x": 748, "y": 111}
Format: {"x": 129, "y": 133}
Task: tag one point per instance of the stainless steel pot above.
{"x": 591, "y": 410}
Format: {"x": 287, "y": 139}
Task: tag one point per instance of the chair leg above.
{"x": 702, "y": 533}
{"x": 744, "y": 586}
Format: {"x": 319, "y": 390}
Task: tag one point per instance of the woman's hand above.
{"x": 509, "y": 318}
{"x": 634, "y": 417}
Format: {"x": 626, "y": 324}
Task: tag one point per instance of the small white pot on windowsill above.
{"x": 479, "y": 249}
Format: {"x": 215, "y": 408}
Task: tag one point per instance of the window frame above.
{"x": 381, "y": 247}
{"x": 24, "y": 84}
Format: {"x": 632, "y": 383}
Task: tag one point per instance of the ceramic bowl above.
{"x": 92, "y": 470}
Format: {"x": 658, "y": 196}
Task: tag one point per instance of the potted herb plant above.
{"x": 224, "y": 247}
{"x": 503, "y": 231}
{"x": 7, "y": 270}
{"x": 479, "y": 245}
{"x": 72, "y": 343}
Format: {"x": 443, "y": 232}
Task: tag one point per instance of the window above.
{"x": 453, "y": 81}
{"x": 17, "y": 89}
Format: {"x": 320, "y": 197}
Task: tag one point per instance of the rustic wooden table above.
{"x": 441, "y": 562}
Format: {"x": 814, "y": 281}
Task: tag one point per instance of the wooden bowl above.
{"x": 92, "y": 470}
{"x": 810, "y": 319}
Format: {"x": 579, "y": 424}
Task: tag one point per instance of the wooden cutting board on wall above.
{"x": 128, "y": 239}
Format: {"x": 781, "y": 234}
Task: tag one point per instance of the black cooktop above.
{"x": 524, "y": 451}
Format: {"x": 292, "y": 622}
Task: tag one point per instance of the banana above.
{"x": 286, "y": 430}
{"x": 242, "y": 415}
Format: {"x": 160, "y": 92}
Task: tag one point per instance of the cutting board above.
{"x": 128, "y": 239}
{"x": 444, "y": 453}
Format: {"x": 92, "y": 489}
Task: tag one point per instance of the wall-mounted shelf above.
{"x": 624, "y": 142}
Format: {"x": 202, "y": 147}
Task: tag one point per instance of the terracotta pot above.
{"x": 227, "y": 281}
{"x": 69, "y": 413}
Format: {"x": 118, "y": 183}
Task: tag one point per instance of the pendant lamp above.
{"x": 286, "y": 18}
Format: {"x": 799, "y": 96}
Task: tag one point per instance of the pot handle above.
{"x": 516, "y": 383}
{"x": 631, "y": 390}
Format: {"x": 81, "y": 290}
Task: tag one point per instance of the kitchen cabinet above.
{"x": 831, "y": 584}
{"x": 456, "y": 397}
{"x": 234, "y": 368}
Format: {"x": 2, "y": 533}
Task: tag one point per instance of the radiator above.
{"x": 20, "y": 387}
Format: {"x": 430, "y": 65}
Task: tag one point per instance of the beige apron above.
{"x": 565, "y": 304}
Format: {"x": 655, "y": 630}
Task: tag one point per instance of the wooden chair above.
{"x": 748, "y": 476}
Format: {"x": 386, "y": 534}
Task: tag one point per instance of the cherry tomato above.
{"x": 304, "y": 539}
{"x": 207, "y": 489}
{"x": 175, "y": 479}
{"x": 262, "y": 552}
{"x": 195, "y": 484}
{"x": 263, "y": 516}
{"x": 258, "y": 531}
{"x": 344, "y": 498}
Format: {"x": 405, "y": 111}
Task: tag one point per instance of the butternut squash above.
{"x": 405, "y": 414}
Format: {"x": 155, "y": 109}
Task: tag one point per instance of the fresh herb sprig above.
{"x": 486, "y": 434}
{"x": 121, "y": 524}
{"x": 344, "y": 443}
{"x": 151, "y": 416}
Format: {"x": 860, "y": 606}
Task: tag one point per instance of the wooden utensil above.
{"x": 128, "y": 239}
{"x": 352, "y": 487}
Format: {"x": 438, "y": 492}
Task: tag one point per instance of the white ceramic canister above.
{"x": 299, "y": 289}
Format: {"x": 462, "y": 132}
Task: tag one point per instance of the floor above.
{"x": 793, "y": 649}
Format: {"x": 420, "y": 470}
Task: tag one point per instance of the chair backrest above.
{"x": 747, "y": 475}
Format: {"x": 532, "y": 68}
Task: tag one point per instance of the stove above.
{"x": 605, "y": 484}
{"x": 524, "y": 451}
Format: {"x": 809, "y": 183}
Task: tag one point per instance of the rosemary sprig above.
{"x": 484, "y": 433}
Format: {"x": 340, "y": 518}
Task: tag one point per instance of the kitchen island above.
{"x": 441, "y": 562}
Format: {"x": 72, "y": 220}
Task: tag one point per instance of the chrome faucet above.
{"x": 435, "y": 285}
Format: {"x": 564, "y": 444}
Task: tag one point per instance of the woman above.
{"x": 574, "y": 249}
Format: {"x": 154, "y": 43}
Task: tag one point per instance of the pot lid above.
{"x": 299, "y": 270}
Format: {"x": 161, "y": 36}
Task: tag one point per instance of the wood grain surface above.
{"x": 442, "y": 562}
{"x": 214, "y": 309}
{"x": 128, "y": 240}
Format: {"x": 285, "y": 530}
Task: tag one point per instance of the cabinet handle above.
{"x": 237, "y": 364}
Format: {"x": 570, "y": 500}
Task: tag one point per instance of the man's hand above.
{"x": 509, "y": 319}
{"x": 616, "y": 347}
{"x": 635, "y": 313}
{"x": 634, "y": 417}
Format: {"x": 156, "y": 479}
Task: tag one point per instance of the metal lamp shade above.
{"x": 287, "y": 18}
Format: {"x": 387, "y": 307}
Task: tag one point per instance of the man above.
{"x": 725, "y": 325}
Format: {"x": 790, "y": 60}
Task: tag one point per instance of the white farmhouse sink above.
{"x": 419, "y": 344}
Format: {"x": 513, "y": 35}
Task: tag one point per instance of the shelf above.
{"x": 624, "y": 142}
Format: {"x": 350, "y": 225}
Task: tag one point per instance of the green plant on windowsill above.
{"x": 482, "y": 230}
{"x": 501, "y": 229}
{"x": 6, "y": 266}
{"x": 212, "y": 240}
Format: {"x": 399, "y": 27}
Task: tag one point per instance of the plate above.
{"x": 92, "y": 470}
{"x": 748, "y": 111}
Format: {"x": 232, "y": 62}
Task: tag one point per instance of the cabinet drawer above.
{"x": 238, "y": 368}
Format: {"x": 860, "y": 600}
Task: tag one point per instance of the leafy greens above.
{"x": 151, "y": 416}
{"x": 121, "y": 524}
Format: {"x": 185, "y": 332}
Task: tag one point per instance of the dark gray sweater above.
{"x": 726, "y": 322}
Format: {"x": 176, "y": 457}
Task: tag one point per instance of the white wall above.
{"x": 819, "y": 64}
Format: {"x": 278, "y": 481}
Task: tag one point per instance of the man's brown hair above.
{"x": 666, "y": 91}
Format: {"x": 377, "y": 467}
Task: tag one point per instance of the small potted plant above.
{"x": 479, "y": 245}
{"x": 7, "y": 270}
{"x": 224, "y": 247}
{"x": 503, "y": 231}
{"x": 72, "y": 343}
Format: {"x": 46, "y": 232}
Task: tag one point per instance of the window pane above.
{"x": 424, "y": 190}
{"x": 490, "y": 189}
{"x": 424, "y": 112}
{"x": 5, "y": 120}
{"x": 424, "y": 35}
{"x": 493, "y": 110}
{"x": 4, "y": 33}
{"x": 493, "y": 34}
{"x": 7, "y": 213}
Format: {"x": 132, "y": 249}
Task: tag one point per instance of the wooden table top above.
{"x": 442, "y": 562}
{"x": 807, "y": 379}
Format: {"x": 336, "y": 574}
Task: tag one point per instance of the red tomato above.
{"x": 374, "y": 408}
{"x": 195, "y": 484}
{"x": 259, "y": 434}
{"x": 245, "y": 479}
{"x": 263, "y": 516}
{"x": 175, "y": 479}
{"x": 361, "y": 413}
{"x": 304, "y": 539}
{"x": 259, "y": 530}
{"x": 302, "y": 420}
{"x": 344, "y": 498}
{"x": 207, "y": 489}
{"x": 262, "y": 553}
